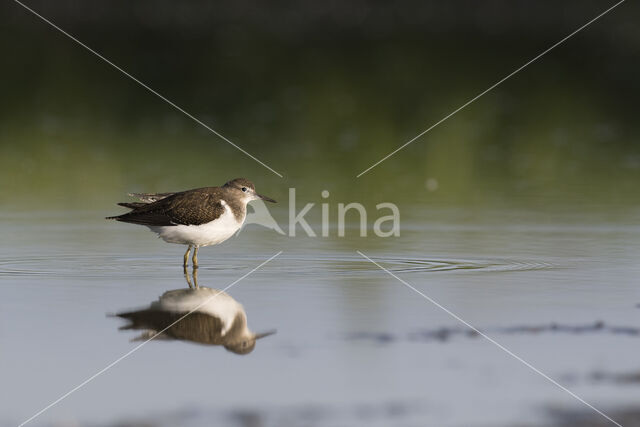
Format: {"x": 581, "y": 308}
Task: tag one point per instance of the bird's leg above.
{"x": 186, "y": 258}
{"x": 195, "y": 257}
{"x": 188, "y": 277}
{"x": 195, "y": 278}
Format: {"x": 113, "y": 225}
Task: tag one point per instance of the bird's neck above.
{"x": 238, "y": 328}
{"x": 238, "y": 208}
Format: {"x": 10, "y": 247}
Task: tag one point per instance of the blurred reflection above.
{"x": 217, "y": 318}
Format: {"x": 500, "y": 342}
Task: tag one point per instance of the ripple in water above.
{"x": 356, "y": 264}
{"x": 95, "y": 265}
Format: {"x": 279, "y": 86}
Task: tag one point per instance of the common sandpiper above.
{"x": 199, "y": 217}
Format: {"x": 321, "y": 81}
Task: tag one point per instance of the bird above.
{"x": 196, "y": 218}
{"x": 213, "y": 317}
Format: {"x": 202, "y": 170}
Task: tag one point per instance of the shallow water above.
{"x": 354, "y": 346}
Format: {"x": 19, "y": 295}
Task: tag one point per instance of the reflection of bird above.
{"x": 220, "y": 320}
{"x": 200, "y": 217}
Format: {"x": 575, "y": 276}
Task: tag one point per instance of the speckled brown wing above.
{"x": 196, "y": 327}
{"x": 193, "y": 207}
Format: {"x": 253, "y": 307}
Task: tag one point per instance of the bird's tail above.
{"x": 146, "y": 198}
{"x": 130, "y": 205}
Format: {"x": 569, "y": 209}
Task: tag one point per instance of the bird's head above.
{"x": 247, "y": 343}
{"x": 246, "y": 190}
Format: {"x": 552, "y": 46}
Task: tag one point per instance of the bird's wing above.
{"x": 196, "y": 327}
{"x": 150, "y": 197}
{"x": 193, "y": 207}
{"x": 132, "y": 205}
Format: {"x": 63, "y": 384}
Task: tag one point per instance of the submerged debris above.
{"x": 444, "y": 334}
{"x": 554, "y": 327}
{"x": 632, "y": 377}
{"x": 378, "y": 337}
{"x": 628, "y": 417}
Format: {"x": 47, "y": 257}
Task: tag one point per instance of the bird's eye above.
{"x": 244, "y": 189}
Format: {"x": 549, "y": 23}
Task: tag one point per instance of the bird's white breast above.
{"x": 210, "y": 233}
{"x": 203, "y": 300}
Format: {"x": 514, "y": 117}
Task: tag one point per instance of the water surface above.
{"x": 354, "y": 345}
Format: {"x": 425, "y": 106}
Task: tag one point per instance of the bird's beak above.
{"x": 264, "y": 334}
{"x": 266, "y": 199}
